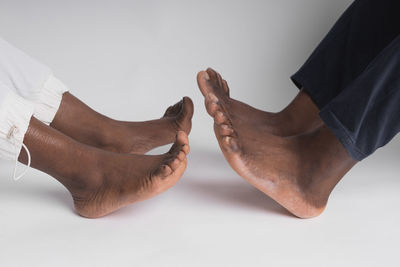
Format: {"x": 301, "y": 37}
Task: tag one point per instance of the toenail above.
{"x": 206, "y": 76}
{"x": 186, "y": 149}
{"x": 231, "y": 143}
{"x": 212, "y": 98}
{"x": 181, "y": 156}
{"x": 234, "y": 145}
{"x": 226, "y": 127}
{"x": 166, "y": 170}
{"x": 221, "y": 115}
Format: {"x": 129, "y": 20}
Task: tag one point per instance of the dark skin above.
{"x": 295, "y": 160}
{"x": 100, "y": 181}
{"x": 300, "y": 116}
{"x": 78, "y": 149}
{"x": 75, "y": 119}
{"x": 290, "y": 155}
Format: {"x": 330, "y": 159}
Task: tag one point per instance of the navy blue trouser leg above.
{"x": 366, "y": 114}
{"x": 354, "y": 76}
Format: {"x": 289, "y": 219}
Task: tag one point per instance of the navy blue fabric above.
{"x": 353, "y": 76}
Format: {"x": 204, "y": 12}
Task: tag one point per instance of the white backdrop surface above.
{"x": 131, "y": 60}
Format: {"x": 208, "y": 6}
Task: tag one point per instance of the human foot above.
{"x": 298, "y": 172}
{"x": 125, "y": 179}
{"x": 85, "y": 125}
{"x": 99, "y": 181}
{"x": 300, "y": 116}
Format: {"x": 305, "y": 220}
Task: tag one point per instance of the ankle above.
{"x": 282, "y": 123}
{"x": 87, "y": 179}
{"x": 293, "y": 121}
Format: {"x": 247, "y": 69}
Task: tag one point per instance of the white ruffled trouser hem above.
{"x": 50, "y": 99}
{"x": 16, "y": 113}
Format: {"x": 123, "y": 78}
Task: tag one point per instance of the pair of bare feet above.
{"x": 290, "y": 156}
{"x": 101, "y": 161}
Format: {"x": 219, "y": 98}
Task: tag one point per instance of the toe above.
{"x": 174, "y": 110}
{"x": 211, "y": 103}
{"x": 181, "y": 155}
{"x": 230, "y": 144}
{"x": 183, "y": 109}
{"x": 186, "y": 149}
{"x": 182, "y": 138}
{"x": 211, "y": 108}
{"x": 212, "y": 74}
{"x": 188, "y": 107}
{"x": 220, "y": 118}
{"x": 203, "y": 82}
{"x": 225, "y": 130}
{"x": 165, "y": 170}
{"x": 184, "y": 119}
{"x": 182, "y": 141}
{"x": 219, "y": 80}
{"x": 225, "y": 86}
{"x": 174, "y": 164}
{"x": 210, "y": 81}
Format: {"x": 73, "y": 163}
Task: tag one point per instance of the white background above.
{"x": 131, "y": 60}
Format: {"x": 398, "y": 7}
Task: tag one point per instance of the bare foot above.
{"x": 124, "y": 179}
{"x": 300, "y": 116}
{"x": 298, "y": 172}
{"x": 85, "y": 125}
{"x": 99, "y": 181}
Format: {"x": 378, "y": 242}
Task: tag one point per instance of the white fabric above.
{"x": 49, "y": 100}
{"x": 21, "y": 73}
{"x": 27, "y": 88}
{"x": 15, "y": 113}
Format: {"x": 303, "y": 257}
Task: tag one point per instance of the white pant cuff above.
{"x": 50, "y": 99}
{"x": 15, "y": 115}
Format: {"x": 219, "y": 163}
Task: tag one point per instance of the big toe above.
{"x": 181, "y": 113}
{"x": 202, "y": 81}
{"x": 210, "y": 81}
{"x": 187, "y": 110}
{"x": 175, "y": 110}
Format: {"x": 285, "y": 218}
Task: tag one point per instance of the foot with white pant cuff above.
{"x": 99, "y": 181}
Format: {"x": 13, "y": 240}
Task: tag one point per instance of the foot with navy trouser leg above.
{"x": 350, "y": 106}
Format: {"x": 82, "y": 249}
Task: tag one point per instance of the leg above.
{"x": 365, "y": 115}
{"x": 359, "y": 36}
{"x": 101, "y": 182}
{"x": 85, "y": 125}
